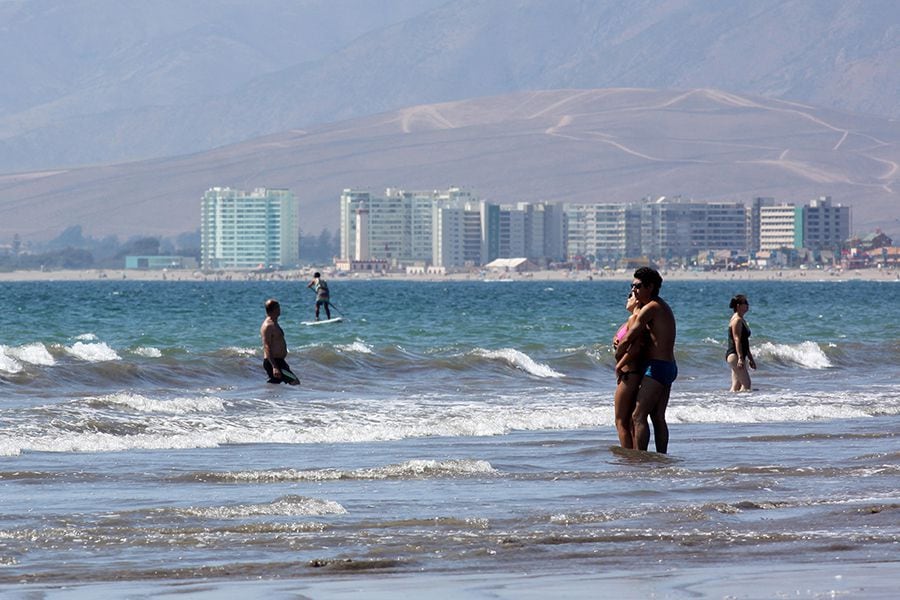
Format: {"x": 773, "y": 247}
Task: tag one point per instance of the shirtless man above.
{"x": 275, "y": 347}
{"x": 656, "y": 318}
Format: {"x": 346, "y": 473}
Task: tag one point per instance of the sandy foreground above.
{"x": 306, "y": 274}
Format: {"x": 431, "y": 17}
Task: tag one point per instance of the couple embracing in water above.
{"x": 645, "y": 365}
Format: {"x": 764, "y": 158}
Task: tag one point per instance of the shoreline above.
{"x": 814, "y": 275}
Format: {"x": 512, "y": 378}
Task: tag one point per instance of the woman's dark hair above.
{"x": 737, "y": 301}
{"x": 317, "y": 274}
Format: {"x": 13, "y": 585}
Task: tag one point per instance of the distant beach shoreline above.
{"x": 546, "y": 275}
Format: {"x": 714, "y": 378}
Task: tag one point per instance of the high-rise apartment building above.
{"x": 780, "y": 227}
{"x": 401, "y": 224}
{"x": 512, "y": 232}
{"x": 672, "y": 228}
{"x": 606, "y": 232}
{"x": 755, "y": 207}
{"x": 458, "y": 236}
{"x": 448, "y": 228}
{"x": 544, "y": 231}
{"x": 452, "y": 229}
{"x": 249, "y": 230}
{"x": 819, "y": 225}
{"x": 722, "y": 226}
{"x": 826, "y": 226}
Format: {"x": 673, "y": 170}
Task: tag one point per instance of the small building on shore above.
{"x": 511, "y": 265}
{"x": 149, "y": 263}
{"x": 371, "y": 265}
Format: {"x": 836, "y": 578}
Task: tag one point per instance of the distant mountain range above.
{"x": 105, "y": 81}
{"x": 592, "y": 145}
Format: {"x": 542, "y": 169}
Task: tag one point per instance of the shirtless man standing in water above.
{"x": 275, "y": 347}
{"x": 657, "y": 319}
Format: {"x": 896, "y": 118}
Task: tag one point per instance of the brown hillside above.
{"x": 608, "y": 145}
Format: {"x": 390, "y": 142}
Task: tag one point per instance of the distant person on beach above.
{"x": 656, "y": 320}
{"x": 738, "y": 354}
{"x": 322, "y": 298}
{"x": 275, "y": 347}
{"x": 628, "y": 383}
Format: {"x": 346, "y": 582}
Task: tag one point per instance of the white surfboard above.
{"x": 325, "y": 322}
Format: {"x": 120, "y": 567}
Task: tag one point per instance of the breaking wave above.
{"x": 519, "y": 360}
{"x": 806, "y": 354}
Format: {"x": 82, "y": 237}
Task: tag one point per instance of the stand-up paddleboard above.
{"x": 325, "y": 322}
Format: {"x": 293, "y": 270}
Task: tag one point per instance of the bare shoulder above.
{"x": 651, "y": 307}
{"x": 265, "y": 327}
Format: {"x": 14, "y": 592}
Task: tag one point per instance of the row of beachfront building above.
{"x": 452, "y": 229}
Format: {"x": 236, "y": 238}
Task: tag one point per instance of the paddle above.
{"x": 335, "y": 308}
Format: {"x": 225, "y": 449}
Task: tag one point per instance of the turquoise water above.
{"x": 442, "y": 427}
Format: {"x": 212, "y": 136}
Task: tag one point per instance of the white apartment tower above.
{"x": 605, "y": 232}
{"x": 362, "y": 251}
{"x": 249, "y": 230}
{"x": 457, "y": 227}
{"x": 401, "y": 224}
{"x": 780, "y": 227}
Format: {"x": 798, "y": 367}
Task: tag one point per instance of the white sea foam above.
{"x": 149, "y": 424}
{"x": 519, "y": 360}
{"x": 94, "y": 441}
{"x": 86, "y": 337}
{"x": 806, "y": 354}
{"x": 8, "y": 364}
{"x": 287, "y": 506}
{"x": 10, "y": 447}
{"x": 772, "y": 414}
{"x": 148, "y": 352}
{"x": 356, "y": 346}
{"x": 176, "y": 406}
{"x": 238, "y": 351}
{"x": 98, "y": 352}
{"x": 33, "y": 354}
{"x": 411, "y": 469}
{"x": 781, "y": 406}
{"x": 12, "y": 357}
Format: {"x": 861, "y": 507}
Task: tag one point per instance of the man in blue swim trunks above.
{"x": 656, "y": 318}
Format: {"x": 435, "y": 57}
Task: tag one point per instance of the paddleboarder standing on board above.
{"x": 275, "y": 347}
{"x": 321, "y": 288}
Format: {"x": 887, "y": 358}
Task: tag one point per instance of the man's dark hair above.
{"x": 272, "y": 306}
{"x": 650, "y": 277}
{"x": 317, "y": 274}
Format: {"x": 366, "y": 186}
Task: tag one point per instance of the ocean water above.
{"x": 441, "y": 429}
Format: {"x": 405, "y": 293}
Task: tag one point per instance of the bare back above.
{"x": 659, "y": 320}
